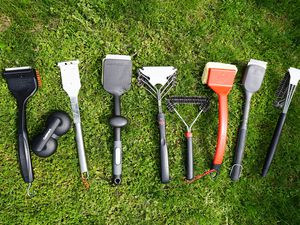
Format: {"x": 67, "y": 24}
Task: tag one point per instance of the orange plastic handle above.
{"x": 222, "y": 131}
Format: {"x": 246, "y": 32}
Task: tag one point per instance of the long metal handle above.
{"x": 79, "y": 137}
{"x": 23, "y": 147}
{"x": 241, "y": 141}
{"x": 274, "y": 142}
{"x": 164, "y": 161}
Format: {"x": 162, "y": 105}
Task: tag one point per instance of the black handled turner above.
{"x": 253, "y": 78}
{"x": 116, "y": 79}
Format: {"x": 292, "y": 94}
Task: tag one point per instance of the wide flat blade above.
{"x": 70, "y": 77}
{"x": 116, "y": 73}
{"x": 254, "y": 75}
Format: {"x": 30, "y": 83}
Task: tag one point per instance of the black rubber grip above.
{"x": 189, "y": 159}
{"x": 239, "y": 153}
{"x": 23, "y": 146}
{"x": 164, "y": 161}
{"x": 274, "y": 142}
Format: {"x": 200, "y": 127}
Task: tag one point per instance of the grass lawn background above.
{"x": 186, "y": 35}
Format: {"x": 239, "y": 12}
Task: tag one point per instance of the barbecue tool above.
{"x": 116, "y": 79}
{"x": 159, "y": 80}
{"x": 23, "y": 82}
{"x": 219, "y": 77}
{"x": 203, "y": 104}
{"x": 71, "y": 84}
{"x": 252, "y": 81}
{"x": 284, "y": 95}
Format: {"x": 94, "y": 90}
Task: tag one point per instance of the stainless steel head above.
{"x": 254, "y": 75}
{"x": 158, "y": 80}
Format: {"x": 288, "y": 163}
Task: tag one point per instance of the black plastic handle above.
{"x": 23, "y": 146}
{"x": 164, "y": 161}
{"x": 189, "y": 157}
{"x": 239, "y": 153}
{"x": 117, "y": 122}
{"x": 274, "y": 142}
{"x": 236, "y": 169}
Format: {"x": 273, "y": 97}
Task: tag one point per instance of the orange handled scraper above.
{"x": 219, "y": 77}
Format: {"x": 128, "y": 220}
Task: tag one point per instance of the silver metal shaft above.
{"x": 79, "y": 137}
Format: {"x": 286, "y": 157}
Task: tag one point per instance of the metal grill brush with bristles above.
{"x": 158, "y": 81}
{"x": 284, "y": 95}
{"x": 203, "y": 104}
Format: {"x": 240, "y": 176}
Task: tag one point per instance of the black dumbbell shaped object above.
{"x": 45, "y": 144}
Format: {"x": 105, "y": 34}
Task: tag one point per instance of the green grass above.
{"x": 185, "y": 34}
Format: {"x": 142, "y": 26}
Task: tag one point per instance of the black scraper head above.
{"x": 116, "y": 74}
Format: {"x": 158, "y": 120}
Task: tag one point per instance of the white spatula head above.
{"x": 70, "y": 77}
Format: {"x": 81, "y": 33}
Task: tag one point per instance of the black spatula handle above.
{"x": 241, "y": 141}
{"x": 274, "y": 142}
{"x": 23, "y": 147}
{"x": 117, "y": 161}
{"x": 117, "y": 122}
{"x": 239, "y": 152}
{"x": 164, "y": 161}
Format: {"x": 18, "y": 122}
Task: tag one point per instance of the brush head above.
{"x": 216, "y": 66}
{"x": 157, "y": 75}
{"x": 254, "y": 75}
{"x": 292, "y": 77}
{"x": 219, "y": 76}
{"x": 38, "y": 78}
{"x": 281, "y": 91}
{"x": 116, "y": 73}
{"x": 202, "y": 102}
{"x": 22, "y": 81}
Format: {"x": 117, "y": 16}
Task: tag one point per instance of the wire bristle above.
{"x": 282, "y": 91}
{"x": 38, "y": 77}
{"x": 202, "y": 102}
{"x": 170, "y": 105}
{"x": 143, "y": 80}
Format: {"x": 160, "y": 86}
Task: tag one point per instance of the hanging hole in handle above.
{"x": 117, "y": 181}
{"x": 84, "y": 177}
{"x": 214, "y": 174}
{"x": 238, "y": 166}
{"x": 28, "y": 192}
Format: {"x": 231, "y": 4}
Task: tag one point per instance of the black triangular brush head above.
{"x": 117, "y": 73}
{"x": 202, "y": 102}
{"x": 22, "y": 82}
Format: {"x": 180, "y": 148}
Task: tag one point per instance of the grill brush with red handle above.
{"x": 220, "y": 78}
